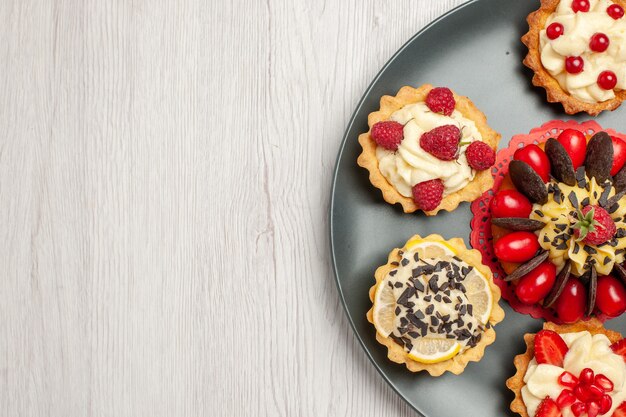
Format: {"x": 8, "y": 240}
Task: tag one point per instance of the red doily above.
{"x": 480, "y": 236}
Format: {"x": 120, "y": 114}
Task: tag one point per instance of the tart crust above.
{"x": 542, "y": 78}
{"x": 456, "y": 364}
{"x": 408, "y": 95}
{"x": 516, "y": 382}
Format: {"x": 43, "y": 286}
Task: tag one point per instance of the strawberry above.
{"x": 480, "y": 156}
{"x": 594, "y": 226}
{"x": 620, "y": 348}
{"x": 442, "y": 142}
{"x": 441, "y": 100}
{"x": 548, "y": 408}
{"x": 428, "y": 194}
{"x": 620, "y": 411}
{"x": 388, "y": 134}
{"x": 550, "y": 348}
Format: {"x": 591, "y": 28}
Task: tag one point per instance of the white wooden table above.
{"x": 165, "y": 171}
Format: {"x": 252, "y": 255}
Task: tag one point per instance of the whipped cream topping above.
{"x": 432, "y": 301}
{"x": 585, "y": 351}
{"x": 411, "y": 164}
{"x": 578, "y": 29}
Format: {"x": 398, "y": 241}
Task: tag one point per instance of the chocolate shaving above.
{"x": 559, "y": 285}
{"x": 527, "y": 267}
{"x": 593, "y": 286}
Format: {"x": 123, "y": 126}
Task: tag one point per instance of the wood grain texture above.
{"x": 164, "y": 188}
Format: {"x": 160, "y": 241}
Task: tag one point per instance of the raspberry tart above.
{"x": 571, "y": 370}
{"x": 428, "y": 149}
{"x": 555, "y": 224}
{"x": 577, "y": 49}
{"x": 434, "y": 305}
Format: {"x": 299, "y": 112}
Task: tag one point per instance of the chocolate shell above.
{"x": 517, "y": 223}
{"x": 620, "y": 272}
{"x": 559, "y": 285}
{"x": 561, "y": 164}
{"x": 619, "y": 180}
{"x": 527, "y": 267}
{"x": 528, "y": 182}
{"x": 593, "y": 287}
{"x": 599, "y": 157}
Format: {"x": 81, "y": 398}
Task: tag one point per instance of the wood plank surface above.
{"x": 165, "y": 171}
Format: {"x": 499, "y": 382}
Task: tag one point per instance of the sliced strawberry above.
{"x": 550, "y": 348}
{"x": 548, "y": 408}
{"x": 620, "y": 348}
{"x": 620, "y": 411}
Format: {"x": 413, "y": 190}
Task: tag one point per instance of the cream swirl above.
{"x": 578, "y": 30}
{"x": 411, "y": 164}
{"x": 585, "y": 351}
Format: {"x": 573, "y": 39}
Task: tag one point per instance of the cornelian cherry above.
{"x": 599, "y": 42}
{"x": 574, "y": 64}
{"x": 580, "y": 6}
{"x": 554, "y": 30}
{"x": 615, "y": 11}
{"x": 607, "y": 80}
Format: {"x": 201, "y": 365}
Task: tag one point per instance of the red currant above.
{"x": 615, "y": 11}
{"x": 566, "y": 398}
{"x": 599, "y": 42}
{"x": 607, "y": 80}
{"x": 574, "y": 64}
{"x": 555, "y": 30}
{"x": 606, "y": 402}
{"x": 580, "y": 6}
{"x": 603, "y": 382}
{"x": 567, "y": 379}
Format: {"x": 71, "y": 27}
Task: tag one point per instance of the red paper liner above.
{"x": 480, "y": 236}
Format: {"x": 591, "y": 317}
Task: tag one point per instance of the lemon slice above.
{"x": 384, "y": 308}
{"x": 479, "y": 295}
{"x": 427, "y": 249}
{"x": 428, "y": 350}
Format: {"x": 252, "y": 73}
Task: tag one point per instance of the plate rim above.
{"x": 331, "y": 208}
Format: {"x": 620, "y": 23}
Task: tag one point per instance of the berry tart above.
{"x": 434, "y": 305}
{"x": 571, "y": 370}
{"x": 428, "y": 149}
{"x": 577, "y": 49}
{"x": 557, "y": 232}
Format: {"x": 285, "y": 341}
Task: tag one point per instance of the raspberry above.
{"x": 428, "y": 194}
{"x": 388, "y": 134}
{"x": 441, "y": 100}
{"x": 480, "y": 156}
{"x": 595, "y": 225}
{"x": 442, "y": 142}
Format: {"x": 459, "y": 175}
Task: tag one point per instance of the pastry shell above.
{"x": 542, "y": 78}
{"x": 456, "y": 364}
{"x": 408, "y": 95}
{"x": 516, "y": 382}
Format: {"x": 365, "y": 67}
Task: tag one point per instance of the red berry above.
{"x": 607, "y": 80}
{"x": 574, "y": 64}
{"x": 610, "y": 296}
{"x": 595, "y": 392}
{"x": 510, "y": 203}
{"x": 548, "y": 408}
{"x": 575, "y": 145}
{"x": 442, "y": 142}
{"x": 480, "y": 156}
{"x": 603, "y": 382}
{"x": 615, "y": 11}
{"x": 536, "y": 285}
{"x": 566, "y": 398}
{"x": 620, "y": 411}
{"x": 620, "y": 348}
{"x": 516, "y": 247}
{"x": 428, "y": 194}
{"x": 568, "y": 379}
{"x": 586, "y": 376}
{"x": 593, "y": 409}
{"x": 582, "y": 394}
{"x": 606, "y": 402}
{"x": 555, "y": 30}
{"x": 550, "y": 348}
{"x": 595, "y": 226}
{"x": 441, "y": 100}
{"x": 534, "y": 156}
{"x": 619, "y": 154}
{"x": 572, "y": 303}
{"x": 579, "y": 409}
{"x": 388, "y": 134}
{"x": 580, "y": 6}
{"x": 599, "y": 42}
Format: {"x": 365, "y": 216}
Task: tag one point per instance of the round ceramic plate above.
{"x": 476, "y": 51}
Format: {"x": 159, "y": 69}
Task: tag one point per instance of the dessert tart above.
{"x": 577, "y": 49}
{"x": 434, "y": 305}
{"x": 557, "y": 224}
{"x": 571, "y": 370}
{"x": 428, "y": 149}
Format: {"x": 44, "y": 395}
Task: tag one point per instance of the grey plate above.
{"x": 475, "y": 50}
